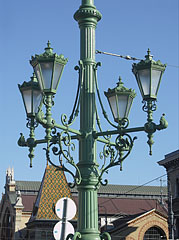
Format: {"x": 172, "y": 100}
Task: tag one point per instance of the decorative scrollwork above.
{"x": 59, "y": 167}
{"x": 64, "y": 119}
{"x": 103, "y": 183}
{"x": 123, "y": 123}
{"x": 105, "y": 236}
{"x": 70, "y": 236}
{"x": 76, "y": 236}
{"x": 61, "y": 145}
{"x": 124, "y": 144}
{"x": 48, "y": 101}
{"x": 117, "y": 154}
{"x": 31, "y": 123}
{"x": 149, "y": 106}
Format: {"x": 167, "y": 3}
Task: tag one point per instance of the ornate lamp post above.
{"x": 60, "y": 139}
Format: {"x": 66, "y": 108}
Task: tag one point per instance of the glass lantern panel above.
{"x": 112, "y": 101}
{"x": 38, "y": 75}
{"x": 37, "y": 97}
{"x": 57, "y": 74}
{"x": 130, "y": 100}
{"x": 144, "y": 78}
{"x": 122, "y": 103}
{"x": 47, "y": 74}
{"x": 27, "y": 95}
{"x": 155, "y": 81}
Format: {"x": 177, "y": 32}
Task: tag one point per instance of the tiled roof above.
{"x": 127, "y": 206}
{"x": 126, "y": 190}
{"x": 31, "y": 186}
{"x": 110, "y": 189}
{"x": 28, "y": 202}
{"x": 53, "y": 187}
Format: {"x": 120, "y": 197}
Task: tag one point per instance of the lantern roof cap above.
{"x": 121, "y": 89}
{"x": 149, "y": 61}
{"x": 32, "y": 83}
{"x": 48, "y": 55}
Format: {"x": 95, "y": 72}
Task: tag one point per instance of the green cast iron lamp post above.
{"x": 60, "y": 138}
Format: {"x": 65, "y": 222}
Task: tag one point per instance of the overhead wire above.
{"x": 128, "y": 57}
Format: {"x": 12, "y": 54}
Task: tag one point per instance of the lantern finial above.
{"x": 120, "y": 83}
{"x": 148, "y": 56}
{"x": 48, "y": 49}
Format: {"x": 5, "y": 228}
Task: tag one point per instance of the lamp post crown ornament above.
{"x": 87, "y": 10}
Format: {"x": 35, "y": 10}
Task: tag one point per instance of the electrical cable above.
{"x": 127, "y": 57}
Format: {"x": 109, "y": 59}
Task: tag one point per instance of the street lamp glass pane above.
{"x": 38, "y": 75}
{"x": 47, "y": 74}
{"x": 37, "y": 97}
{"x": 144, "y": 77}
{"x": 122, "y": 102}
{"x": 130, "y": 100}
{"x": 155, "y": 81}
{"x": 27, "y": 100}
{"x": 112, "y": 101}
{"x": 57, "y": 74}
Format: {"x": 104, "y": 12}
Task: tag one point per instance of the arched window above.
{"x": 155, "y": 233}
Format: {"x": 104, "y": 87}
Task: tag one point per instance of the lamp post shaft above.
{"x": 87, "y": 17}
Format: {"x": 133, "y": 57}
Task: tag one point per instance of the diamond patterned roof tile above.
{"x": 53, "y": 187}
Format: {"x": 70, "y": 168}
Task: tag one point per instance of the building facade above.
{"x": 126, "y": 212}
{"x": 171, "y": 164}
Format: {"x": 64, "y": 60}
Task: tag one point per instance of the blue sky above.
{"x": 127, "y": 28}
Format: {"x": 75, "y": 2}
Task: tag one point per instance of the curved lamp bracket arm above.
{"x": 107, "y": 137}
{"x": 60, "y": 167}
{"x": 99, "y": 98}
{"x": 105, "y": 236}
{"x": 75, "y": 111}
{"x": 64, "y": 138}
{"x": 123, "y": 144}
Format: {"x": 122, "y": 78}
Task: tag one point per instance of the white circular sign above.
{"x": 62, "y": 229}
{"x": 65, "y": 208}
